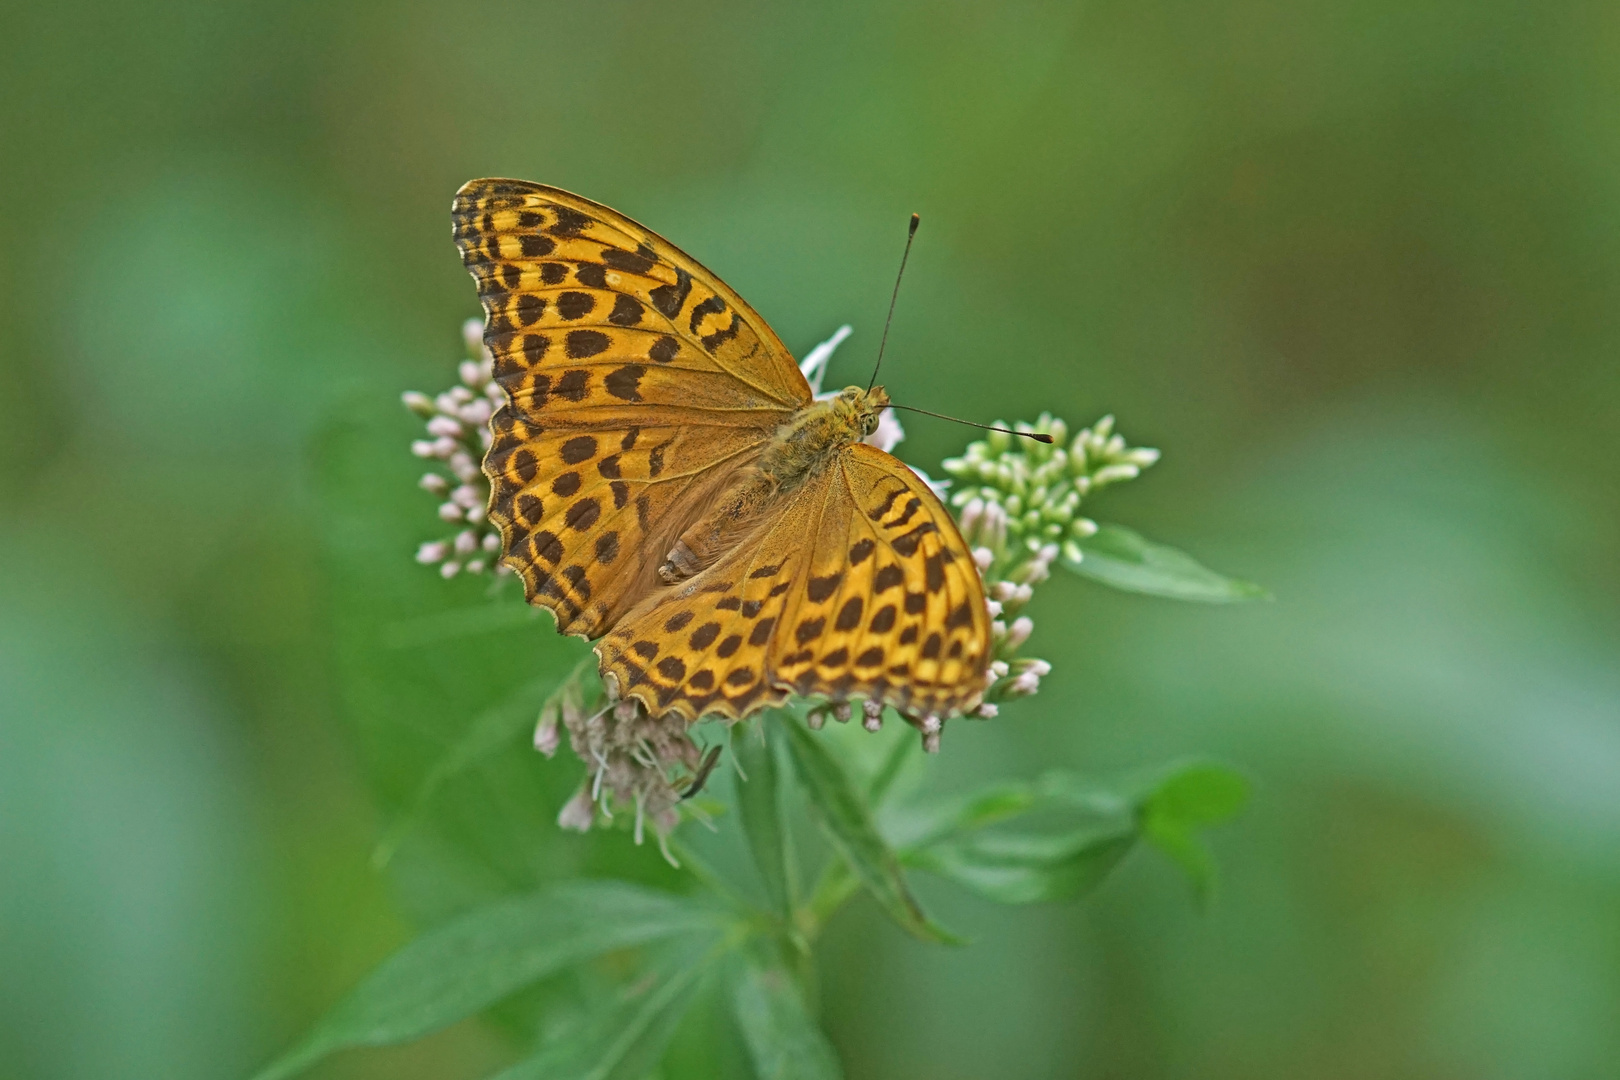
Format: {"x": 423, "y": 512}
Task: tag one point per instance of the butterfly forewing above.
{"x": 638, "y": 383}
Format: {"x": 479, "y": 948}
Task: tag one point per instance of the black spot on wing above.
{"x": 820, "y": 588}
{"x": 663, "y": 350}
{"x": 907, "y": 545}
{"x": 626, "y": 311}
{"x": 635, "y": 262}
{"x": 582, "y": 343}
{"x": 712, "y": 306}
{"x": 668, "y": 299}
{"x": 579, "y": 448}
{"x": 575, "y": 305}
{"x": 624, "y": 382}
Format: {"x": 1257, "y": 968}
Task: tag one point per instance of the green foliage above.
{"x": 1114, "y": 555}
{"x": 1053, "y": 839}
{"x": 1058, "y": 837}
{"x": 841, "y": 809}
{"x": 784, "y": 1042}
{"x": 476, "y": 960}
{"x": 625, "y": 1041}
{"x": 760, "y": 808}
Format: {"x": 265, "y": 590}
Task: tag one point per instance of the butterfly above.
{"x": 666, "y": 483}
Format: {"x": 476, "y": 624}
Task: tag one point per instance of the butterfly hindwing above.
{"x": 860, "y": 586}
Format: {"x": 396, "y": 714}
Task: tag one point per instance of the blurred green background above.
{"x": 1352, "y": 266}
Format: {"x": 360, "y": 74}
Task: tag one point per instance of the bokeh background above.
{"x": 1354, "y": 267}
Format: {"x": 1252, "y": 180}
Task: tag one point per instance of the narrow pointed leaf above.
{"x": 761, "y": 811}
{"x": 626, "y": 1041}
{"x": 470, "y": 963}
{"x": 783, "y": 1041}
{"x": 846, "y": 819}
{"x": 1126, "y": 560}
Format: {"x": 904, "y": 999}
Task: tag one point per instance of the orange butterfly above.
{"x": 664, "y": 480}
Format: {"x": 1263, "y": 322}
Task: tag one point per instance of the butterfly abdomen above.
{"x": 800, "y": 448}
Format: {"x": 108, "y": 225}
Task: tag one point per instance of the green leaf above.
{"x": 626, "y": 1041}
{"x": 847, "y": 822}
{"x": 783, "y": 1041}
{"x": 1025, "y": 868}
{"x": 1124, "y": 559}
{"x": 759, "y": 804}
{"x": 1188, "y": 799}
{"x": 1019, "y": 843}
{"x": 472, "y": 962}
{"x": 1060, "y": 837}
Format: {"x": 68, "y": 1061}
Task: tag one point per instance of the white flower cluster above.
{"x": 458, "y": 435}
{"x": 1019, "y": 504}
{"x": 634, "y": 759}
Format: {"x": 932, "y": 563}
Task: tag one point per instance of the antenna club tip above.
{"x": 916, "y": 219}
{"x": 1040, "y": 436}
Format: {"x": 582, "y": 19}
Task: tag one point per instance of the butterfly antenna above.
{"x": 1038, "y": 436}
{"x": 916, "y": 219}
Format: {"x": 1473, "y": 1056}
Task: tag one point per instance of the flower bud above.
{"x": 476, "y": 412}
{"x": 1019, "y": 632}
{"x": 466, "y": 542}
{"x": 579, "y": 813}
{"x": 472, "y": 374}
{"x": 1142, "y": 456}
{"x": 450, "y": 511}
{"x": 547, "y": 736}
{"x": 433, "y": 483}
{"x": 444, "y": 425}
{"x": 419, "y": 403}
{"x": 433, "y": 552}
{"x": 1110, "y": 474}
{"x": 449, "y": 570}
{"x": 444, "y": 446}
{"x": 466, "y": 496}
{"x": 492, "y": 542}
{"x": 475, "y": 567}
{"x": 422, "y": 448}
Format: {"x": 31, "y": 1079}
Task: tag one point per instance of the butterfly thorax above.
{"x": 801, "y": 447}
{"x": 816, "y": 433}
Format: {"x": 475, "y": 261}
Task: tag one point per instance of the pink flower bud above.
{"x": 431, "y": 553}
{"x": 579, "y": 813}
{"x": 443, "y": 425}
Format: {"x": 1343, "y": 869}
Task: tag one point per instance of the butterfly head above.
{"x": 859, "y": 409}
